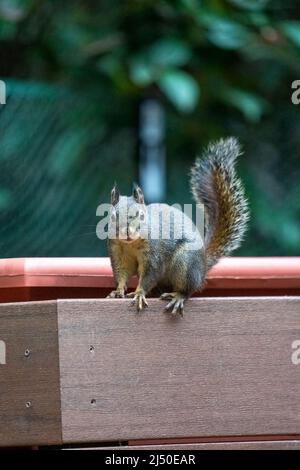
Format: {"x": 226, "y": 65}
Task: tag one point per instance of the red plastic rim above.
{"x": 76, "y": 277}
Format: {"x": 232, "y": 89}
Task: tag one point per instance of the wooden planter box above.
{"x": 94, "y": 371}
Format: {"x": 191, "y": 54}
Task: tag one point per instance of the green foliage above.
{"x": 181, "y": 89}
{"x": 292, "y": 31}
{"x": 219, "y": 67}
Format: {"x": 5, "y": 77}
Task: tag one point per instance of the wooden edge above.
{"x": 54, "y": 293}
{"x": 214, "y": 440}
{"x": 241, "y": 445}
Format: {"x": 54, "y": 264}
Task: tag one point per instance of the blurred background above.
{"x": 99, "y": 91}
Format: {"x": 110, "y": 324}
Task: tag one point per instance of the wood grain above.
{"x": 29, "y": 378}
{"x": 224, "y": 369}
{"x": 256, "y": 445}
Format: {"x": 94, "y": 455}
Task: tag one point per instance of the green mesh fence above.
{"x": 56, "y": 164}
{"x": 61, "y": 151}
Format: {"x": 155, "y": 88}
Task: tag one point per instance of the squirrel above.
{"x": 169, "y": 263}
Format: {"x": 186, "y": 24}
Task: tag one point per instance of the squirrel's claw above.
{"x": 116, "y": 294}
{"x": 130, "y": 295}
{"x": 168, "y": 296}
{"x": 176, "y": 305}
{"x": 139, "y": 300}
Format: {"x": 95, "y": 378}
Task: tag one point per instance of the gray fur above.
{"x": 226, "y": 209}
{"x": 169, "y": 263}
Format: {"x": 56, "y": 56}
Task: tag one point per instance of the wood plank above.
{"x": 29, "y": 378}
{"x": 224, "y": 369}
{"x": 253, "y": 445}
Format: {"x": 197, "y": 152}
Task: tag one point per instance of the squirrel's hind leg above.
{"x": 186, "y": 275}
{"x": 176, "y": 306}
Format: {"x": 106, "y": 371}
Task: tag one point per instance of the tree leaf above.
{"x": 251, "y": 105}
{"x": 228, "y": 34}
{"x": 181, "y": 89}
{"x": 140, "y": 72}
{"x": 169, "y": 52}
{"x": 147, "y": 66}
{"x": 292, "y": 31}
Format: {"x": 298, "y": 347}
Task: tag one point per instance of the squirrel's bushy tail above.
{"x": 215, "y": 184}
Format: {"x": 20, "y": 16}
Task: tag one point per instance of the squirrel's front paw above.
{"x": 139, "y": 299}
{"x": 116, "y": 294}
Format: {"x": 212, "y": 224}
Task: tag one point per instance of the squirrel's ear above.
{"x": 138, "y": 194}
{"x": 115, "y": 195}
